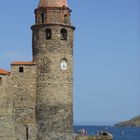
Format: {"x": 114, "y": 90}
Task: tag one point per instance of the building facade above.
{"x": 37, "y": 97}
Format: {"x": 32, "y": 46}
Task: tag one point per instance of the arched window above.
{"x": 65, "y": 18}
{"x": 42, "y": 17}
{"x": 64, "y": 34}
{"x": 48, "y": 33}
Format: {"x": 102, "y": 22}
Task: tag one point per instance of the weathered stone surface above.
{"x": 7, "y": 131}
{"x": 17, "y": 103}
{"x": 36, "y": 99}
{"x": 54, "y": 86}
{"x": 53, "y": 15}
{"x": 54, "y": 104}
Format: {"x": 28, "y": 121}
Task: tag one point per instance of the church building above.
{"x": 36, "y": 98}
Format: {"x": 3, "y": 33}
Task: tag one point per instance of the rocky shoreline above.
{"x": 134, "y": 122}
{"x": 103, "y": 135}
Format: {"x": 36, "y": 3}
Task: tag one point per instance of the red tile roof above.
{"x": 22, "y": 63}
{"x": 4, "y": 72}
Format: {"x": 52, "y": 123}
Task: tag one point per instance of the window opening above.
{"x": 21, "y": 69}
{"x": 42, "y": 17}
{"x": 63, "y": 34}
{"x": 27, "y": 134}
{"x": 48, "y": 33}
{"x": 65, "y": 18}
{"x": 0, "y": 80}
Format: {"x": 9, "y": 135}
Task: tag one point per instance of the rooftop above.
{"x": 4, "y": 72}
{"x": 22, "y": 63}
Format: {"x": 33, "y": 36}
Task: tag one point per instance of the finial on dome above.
{"x": 52, "y": 3}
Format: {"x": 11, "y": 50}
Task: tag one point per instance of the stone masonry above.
{"x": 53, "y": 44}
{"x": 17, "y": 103}
{"x": 36, "y": 98}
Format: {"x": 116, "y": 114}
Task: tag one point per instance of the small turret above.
{"x": 52, "y": 11}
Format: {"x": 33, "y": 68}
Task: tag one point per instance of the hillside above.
{"x": 134, "y": 122}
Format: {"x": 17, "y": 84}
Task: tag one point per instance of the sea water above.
{"x": 119, "y": 133}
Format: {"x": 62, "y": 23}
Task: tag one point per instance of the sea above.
{"x": 119, "y": 133}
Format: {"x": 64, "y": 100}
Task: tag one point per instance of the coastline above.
{"x": 119, "y": 133}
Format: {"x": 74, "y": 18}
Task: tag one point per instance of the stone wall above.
{"x": 53, "y": 15}
{"x": 7, "y": 129}
{"x": 54, "y": 86}
{"x": 41, "y": 93}
{"x": 17, "y": 104}
{"x": 23, "y": 92}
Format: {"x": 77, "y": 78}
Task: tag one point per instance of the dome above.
{"x": 52, "y": 3}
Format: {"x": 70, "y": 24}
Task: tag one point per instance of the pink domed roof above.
{"x": 52, "y": 3}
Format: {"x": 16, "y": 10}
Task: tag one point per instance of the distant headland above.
{"x": 134, "y": 122}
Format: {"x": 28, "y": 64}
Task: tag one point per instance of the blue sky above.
{"x": 106, "y": 54}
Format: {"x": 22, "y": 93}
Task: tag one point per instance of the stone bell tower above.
{"x": 53, "y": 54}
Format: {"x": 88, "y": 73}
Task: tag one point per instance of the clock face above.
{"x": 63, "y": 65}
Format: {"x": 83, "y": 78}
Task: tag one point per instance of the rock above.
{"x": 104, "y": 136}
{"x": 81, "y": 138}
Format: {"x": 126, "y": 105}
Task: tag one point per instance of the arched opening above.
{"x": 48, "y": 33}
{"x": 66, "y": 18}
{"x": 42, "y": 17}
{"x": 64, "y": 34}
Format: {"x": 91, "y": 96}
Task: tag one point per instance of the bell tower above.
{"x": 52, "y": 44}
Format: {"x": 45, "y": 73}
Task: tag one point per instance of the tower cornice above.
{"x": 51, "y": 24}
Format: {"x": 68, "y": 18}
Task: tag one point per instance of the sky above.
{"x": 106, "y": 54}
